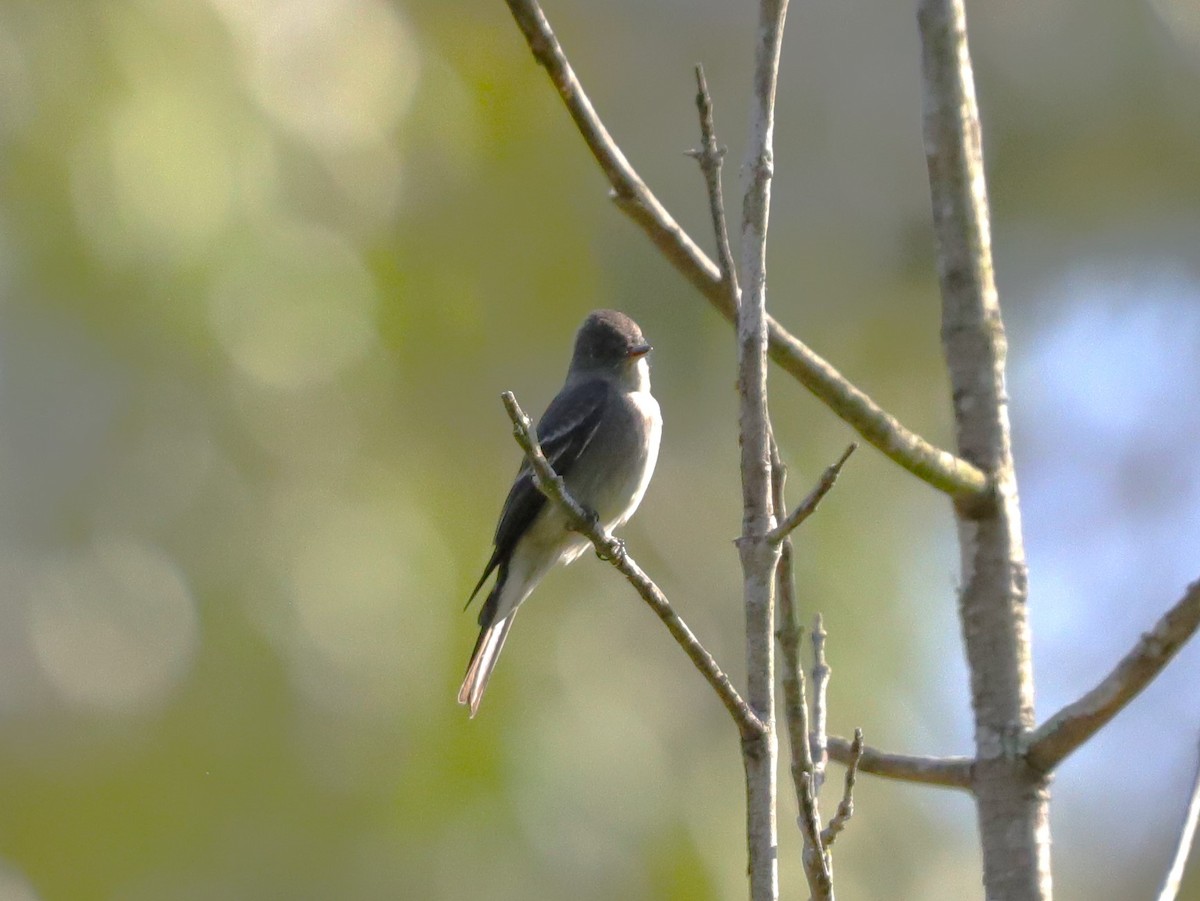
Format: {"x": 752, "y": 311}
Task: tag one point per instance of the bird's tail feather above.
{"x": 483, "y": 661}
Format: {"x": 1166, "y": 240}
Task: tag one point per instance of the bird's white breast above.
{"x": 648, "y": 407}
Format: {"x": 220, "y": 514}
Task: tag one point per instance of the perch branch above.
{"x": 613, "y": 550}
{"x": 1066, "y": 730}
{"x": 940, "y": 468}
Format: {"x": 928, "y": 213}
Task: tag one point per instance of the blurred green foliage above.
{"x": 265, "y": 268}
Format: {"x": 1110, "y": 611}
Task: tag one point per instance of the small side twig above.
{"x": 945, "y": 772}
{"x": 613, "y": 550}
{"x": 710, "y": 156}
{"x": 788, "y": 633}
{"x": 1051, "y": 742}
{"x": 816, "y": 859}
{"x": 821, "y": 673}
{"x": 818, "y": 864}
{"x": 846, "y": 808}
{"x": 1187, "y": 833}
{"x": 808, "y": 506}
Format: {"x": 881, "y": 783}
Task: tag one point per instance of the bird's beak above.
{"x": 639, "y": 350}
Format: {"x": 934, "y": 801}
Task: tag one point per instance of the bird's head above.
{"x": 609, "y": 342}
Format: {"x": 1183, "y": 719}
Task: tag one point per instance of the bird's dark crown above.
{"x": 606, "y": 338}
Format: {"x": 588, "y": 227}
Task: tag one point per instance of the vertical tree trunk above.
{"x": 1012, "y": 801}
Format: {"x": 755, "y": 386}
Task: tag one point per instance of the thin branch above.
{"x": 809, "y": 505}
{"x": 788, "y": 633}
{"x": 613, "y": 550}
{"x": 846, "y": 808}
{"x": 1187, "y": 833}
{"x": 759, "y": 556}
{"x": 816, "y": 859}
{"x": 795, "y": 705}
{"x": 710, "y": 157}
{"x": 945, "y": 772}
{"x": 819, "y": 737}
{"x": 1066, "y": 730}
{"x": 939, "y": 468}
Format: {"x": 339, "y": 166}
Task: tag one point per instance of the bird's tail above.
{"x": 483, "y": 661}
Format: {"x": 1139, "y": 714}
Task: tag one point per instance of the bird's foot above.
{"x": 590, "y": 525}
{"x": 615, "y": 552}
{"x": 611, "y": 549}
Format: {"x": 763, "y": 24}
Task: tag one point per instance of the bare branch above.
{"x": 710, "y": 156}
{"x": 759, "y": 555}
{"x": 1066, "y": 730}
{"x": 846, "y": 807}
{"x": 945, "y": 772}
{"x": 788, "y": 633}
{"x": 819, "y": 738}
{"x": 809, "y": 505}
{"x": 795, "y": 701}
{"x": 613, "y": 550}
{"x": 1187, "y": 833}
{"x": 816, "y": 859}
{"x": 939, "y": 468}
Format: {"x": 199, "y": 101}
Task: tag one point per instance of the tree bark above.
{"x": 1012, "y": 799}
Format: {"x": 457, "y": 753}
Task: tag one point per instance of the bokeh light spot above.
{"x": 113, "y": 627}
{"x": 294, "y": 308}
{"x": 157, "y": 180}
{"x": 338, "y": 72}
{"x": 363, "y": 578}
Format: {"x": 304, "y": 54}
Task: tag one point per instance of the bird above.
{"x": 601, "y": 434}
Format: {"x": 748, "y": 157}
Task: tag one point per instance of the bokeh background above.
{"x": 265, "y": 268}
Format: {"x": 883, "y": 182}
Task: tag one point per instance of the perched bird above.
{"x": 601, "y": 434}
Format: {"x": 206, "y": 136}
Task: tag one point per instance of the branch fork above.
{"x": 943, "y": 470}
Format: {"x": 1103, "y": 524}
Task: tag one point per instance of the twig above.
{"x": 710, "y": 156}
{"x": 945, "y": 772}
{"x": 788, "y": 633}
{"x": 1187, "y": 833}
{"x": 821, "y": 673}
{"x": 613, "y": 550}
{"x": 795, "y": 700}
{"x": 846, "y": 807}
{"x": 1066, "y": 730}
{"x": 816, "y": 859}
{"x": 809, "y": 505}
{"x": 759, "y": 556}
{"x": 940, "y": 468}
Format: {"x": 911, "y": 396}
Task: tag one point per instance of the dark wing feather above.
{"x": 564, "y": 431}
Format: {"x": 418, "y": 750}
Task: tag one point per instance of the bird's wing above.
{"x": 564, "y": 432}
